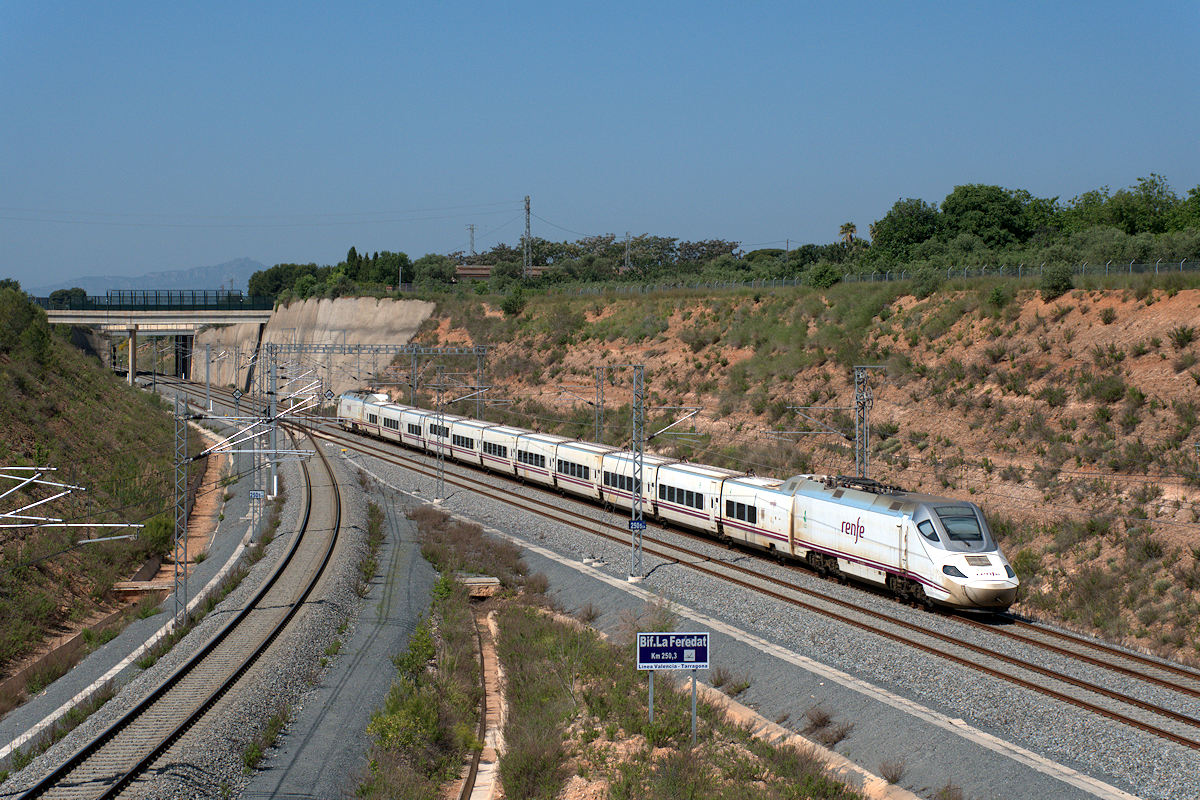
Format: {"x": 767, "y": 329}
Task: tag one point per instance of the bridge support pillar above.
{"x": 183, "y": 356}
{"x": 132, "y": 355}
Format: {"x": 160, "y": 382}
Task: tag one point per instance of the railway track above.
{"x": 1122, "y": 706}
{"x": 128, "y": 748}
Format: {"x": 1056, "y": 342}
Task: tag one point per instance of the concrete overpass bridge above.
{"x": 178, "y": 314}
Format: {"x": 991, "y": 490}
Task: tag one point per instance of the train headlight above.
{"x": 1009, "y": 571}
{"x": 953, "y": 571}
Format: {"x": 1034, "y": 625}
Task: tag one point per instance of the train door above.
{"x": 902, "y": 529}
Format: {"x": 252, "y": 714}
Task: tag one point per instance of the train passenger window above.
{"x": 960, "y": 523}
{"x": 926, "y": 529}
{"x": 741, "y": 511}
{"x": 373, "y": 419}
{"x": 415, "y": 430}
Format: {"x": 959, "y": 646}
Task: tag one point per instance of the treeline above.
{"x": 974, "y": 225}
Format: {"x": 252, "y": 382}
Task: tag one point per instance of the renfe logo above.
{"x": 854, "y": 529}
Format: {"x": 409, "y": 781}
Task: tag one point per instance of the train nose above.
{"x": 992, "y": 594}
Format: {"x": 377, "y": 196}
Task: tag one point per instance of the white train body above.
{"x": 579, "y": 467}
{"x": 758, "y": 512}
{"x": 921, "y": 547}
{"x": 690, "y": 494}
{"x": 617, "y": 484}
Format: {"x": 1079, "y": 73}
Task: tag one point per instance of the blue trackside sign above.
{"x": 672, "y": 650}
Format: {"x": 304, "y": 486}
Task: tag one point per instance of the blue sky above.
{"x": 146, "y": 136}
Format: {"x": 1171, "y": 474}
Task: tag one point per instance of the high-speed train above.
{"x": 925, "y": 549}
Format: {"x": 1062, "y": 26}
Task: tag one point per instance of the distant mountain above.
{"x": 232, "y": 274}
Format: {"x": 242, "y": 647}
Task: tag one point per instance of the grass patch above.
{"x": 265, "y": 739}
{"x": 427, "y": 725}
{"x": 456, "y": 546}
{"x": 572, "y": 696}
{"x": 369, "y": 564}
{"x": 19, "y": 759}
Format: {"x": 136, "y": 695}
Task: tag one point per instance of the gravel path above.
{"x": 985, "y": 765}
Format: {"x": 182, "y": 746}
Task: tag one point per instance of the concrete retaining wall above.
{"x": 353, "y": 320}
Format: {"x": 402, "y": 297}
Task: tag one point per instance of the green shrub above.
{"x": 1056, "y": 281}
{"x": 927, "y": 281}
{"x": 1182, "y": 336}
{"x": 513, "y": 303}
{"x": 824, "y": 275}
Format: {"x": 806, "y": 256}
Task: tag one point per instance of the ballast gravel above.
{"x": 1121, "y": 756}
{"x": 208, "y": 761}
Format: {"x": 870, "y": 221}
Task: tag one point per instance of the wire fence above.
{"x": 985, "y": 271}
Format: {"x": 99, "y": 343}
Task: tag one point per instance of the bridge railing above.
{"x": 159, "y": 300}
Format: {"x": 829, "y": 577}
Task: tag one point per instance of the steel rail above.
{"x": 1165, "y": 666}
{"x": 56, "y": 777}
{"x": 557, "y": 513}
{"x": 1098, "y": 662}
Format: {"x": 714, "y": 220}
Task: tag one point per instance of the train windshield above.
{"x": 960, "y": 523}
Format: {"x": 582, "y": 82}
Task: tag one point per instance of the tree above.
{"x": 1041, "y": 217}
{"x": 431, "y": 269}
{"x": 908, "y": 223}
{"x": 989, "y": 212}
{"x": 389, "y": 269}
{"x": 1148, "y": 207}
{"x": 705, "y": 250}
{"x": 23, "y": 325}
{"x": 65, "y": 298}
{"x": 847, "y": 232}
{"x": 1087, "y": 210}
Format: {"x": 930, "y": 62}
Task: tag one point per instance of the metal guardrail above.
{"x": 985, "y": 271}
{"x": 160, "y": 300}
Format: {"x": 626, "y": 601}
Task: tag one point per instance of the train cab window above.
{"x": 960, "y": 523}
{"x": 927, "y": 530}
